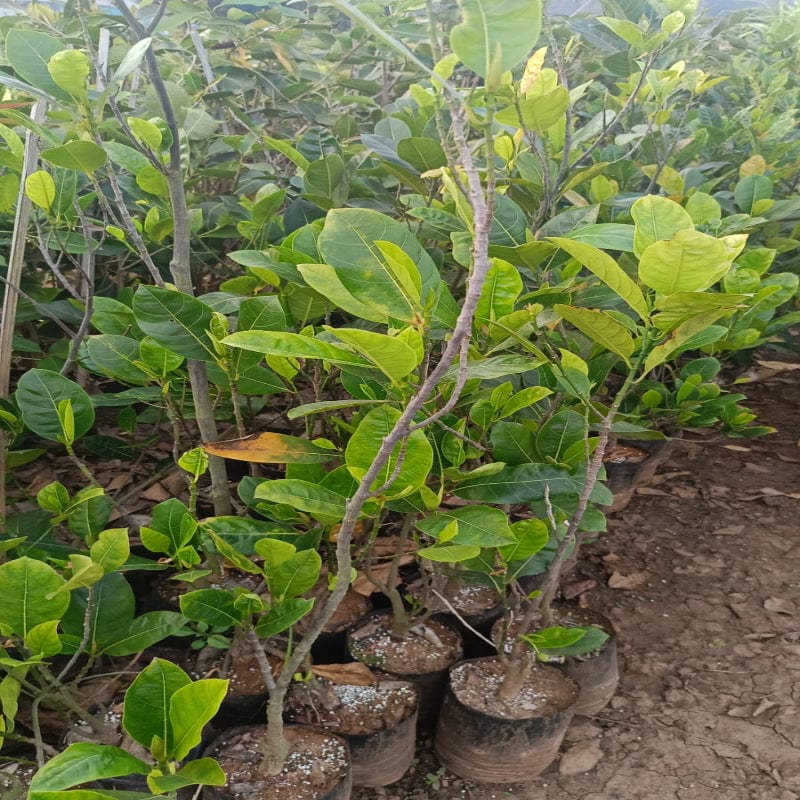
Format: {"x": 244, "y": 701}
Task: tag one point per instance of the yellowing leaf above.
{"x": 532, "y": 69}
{"x": 41, "y": 189}
{"x": 600, "y": 328}
{"x": 755, "y": 165}
{"x": 271, "y": 448}
{"x": 689, "y": 262}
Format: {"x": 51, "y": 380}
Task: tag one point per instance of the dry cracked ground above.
{"x": 706, "y": 561}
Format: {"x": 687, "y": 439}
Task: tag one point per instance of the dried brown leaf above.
{"x": 779, "y": 605}
{"x": 626, "y": 582}
{"x": 354, "y": 674}
{"x": 728, "y": 530}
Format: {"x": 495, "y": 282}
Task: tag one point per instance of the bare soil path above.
{"x": 709, "y": 703}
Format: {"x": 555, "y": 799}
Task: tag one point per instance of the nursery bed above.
{"x": 706, "y": 565}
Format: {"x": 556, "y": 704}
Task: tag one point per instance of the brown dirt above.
{"x": 709, "y": 628}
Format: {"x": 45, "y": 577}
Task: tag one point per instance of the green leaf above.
{"x": 626, "y": 30}
{"x": 112, "y": 549}
{"x": 323, "y": 504}
{"x": 349, "y": 244}
{"x": 153, "y": 181}
{"x": 499, "y": 293}
{"x": 84, "y": 572}
{"x": 295, "y": 575}
{"x": 531, "y": 535}
{"x": 286, "y": 149}
{"x": 292, "y": 345}
{"x": 675, "y": 309}
{"x": 691, "y": 261}
{"x": 69, "y": 70}
{"x": 449, "y": 553}
{"x": 77, "y": 155}
{"x": 559, "y": 433}
{"x": 513, "y": 443}
{"x": 365, "y": 442}
{"x": 657, "y": 219}
{"x": 592, "y": 640}
{"x": 519, "y": 484}
{"x": 176, "y": 321}
{"x": 202, "y": 771}
{"x": 43, "y": 639}
{"x": 538, "y": 113}
{"x": 601, "y": 328}
{"x": 28, "y": 52}
{"x": 478, "y": 526}
{"x": 40, "y": 189}
{"x": 393, "y": 357}
{"x": 214, "y": 607}
{"x": 328, "y": 405}
{"x": 608, "y": 271}
{"x": 144, "y": 632}
{"x": 524, "y": 398}
{"x": 556, "y": 636}
{"x": 146, "y": 132}
{"x": 680, "y": 336}
{"x": 282, "y": 615}
{"x": 117, "y": 357}
{"x": 750, "y": 189}
{"x": 422, "y": 153}
{"x": 147, "y": 701}
{"x": 703, "y": 208}
{"x": 83, "y": 762}
{"x": 324, "y": 177}
{"x": 133, "y": 57}
{"x": 39, "y": 392}
{"x": 496, "y": 35}
{"x": 191, "y": 707}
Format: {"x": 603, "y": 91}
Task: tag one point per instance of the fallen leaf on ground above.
{"x": 737, "y": 448}
{"x": 355, "y": 674}
{"x": 763, "y": 706}
{"x": 648, "y": 490}
{"x": 574, "y": 589}
{"x": 778, "y": 366}
{"x": 728, "y": 530}
{"x": 778, "y": 605}
{"x": 580, "y": 758}
{"x": 626, "y": 582}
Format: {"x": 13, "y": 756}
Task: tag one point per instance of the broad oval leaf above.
{"x": 601, "y": 328}
{"x": 83, "y": 762}
{"x": 144, "y": 632}
{"x": 69, "y": 70}
{"x": 39, "y": 393}
{"x": 78, "y": 155}
{"x": 323, "y": 504}
{"x": 689, "y": 262}
{"x": 282, "y": 615}
{"x": 31, "y": 595}
{"x": 146, "y": 709}
{"x": 657, "y": 219}
{"x": 500, "y": 291}
{"x": 190, "y": 709}
{"x": 40, "y": 188}
{"x": 560, "y": 432}
{"x": 175, "y": 320}
{"x": 212, "y": 606}
{"x": 496, "y": 35}
{"x": 392, "y": 356}
{"x": 449, "y": 553}
{"x": 117, "y": 357}
{"x": 365, "y": 443}
{"x": 292, "y": 345}
{"x": 478, "y": 526}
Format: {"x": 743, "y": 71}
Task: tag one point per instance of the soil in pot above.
{"x": 378, "y": 720}
{"x": 484, "y": 739}
{"x": 423, "y": 656}
{"x": 317, "y": 768}
{"x": 597, "y": 672}
{"x": 15, "y": 780}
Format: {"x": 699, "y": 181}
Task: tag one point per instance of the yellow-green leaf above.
{"x": 689, "y": 262}
{"x": 604, "y": 267}
{"x": 600, "y": 328}
{"x": 40, "y": 189}
{"x": 393, "y": 357}
{"x": 656, "y": 219}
